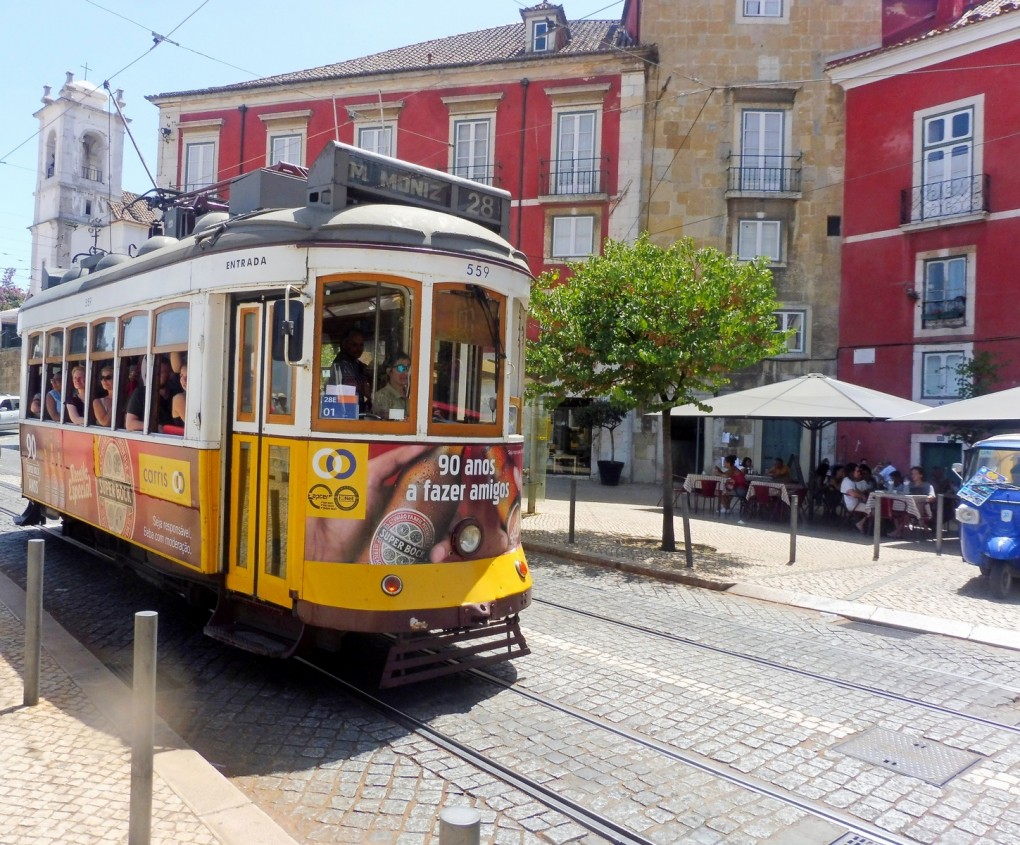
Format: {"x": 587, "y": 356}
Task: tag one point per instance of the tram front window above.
{"x": 467, "y": 355}
{"x": 362, "y": 325}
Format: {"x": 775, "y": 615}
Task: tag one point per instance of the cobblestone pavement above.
{"x": 909, "y": 586}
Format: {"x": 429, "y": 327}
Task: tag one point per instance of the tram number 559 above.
{"x": 477, "y": 270}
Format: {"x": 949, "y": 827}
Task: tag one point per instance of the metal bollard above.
{"x": 143, "y": 728}
{"x": 940, "y": 512}
{"x": 573, "y": 508}
{"x": 460, "y": 826}
{"x": 686, "y": 521}
{"x": 794, "y": 505}
{"x": 33, "y": 620}
{"x": 876, "y": 515}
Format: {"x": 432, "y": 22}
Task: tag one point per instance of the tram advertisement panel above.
{"x": 386, "y": 504}
{"x": 142, "y": 491}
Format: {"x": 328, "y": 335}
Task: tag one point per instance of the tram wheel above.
{"x": 1001, "y": 580}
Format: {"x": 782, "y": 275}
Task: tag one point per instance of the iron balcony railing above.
{"x": 487, "y": 174}
{"x": 939, "y": 200}
{"x": 764, "y": 174}
{"x": 93, "y": 174}
{"x": 564, "y": 176}
{"x": 944, "y": 312}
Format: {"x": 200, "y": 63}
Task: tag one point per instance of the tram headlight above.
{"x": 392, "y": 585}
{"x": 966, "y": 515}
{"x": 521, "y": 566}
{"x": 467, "y": 537}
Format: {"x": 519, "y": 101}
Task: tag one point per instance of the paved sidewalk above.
{"x": 65, "y": 765}
{"x": 910, "y": 586}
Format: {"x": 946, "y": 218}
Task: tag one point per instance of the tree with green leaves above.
{"x": 651, "y": 327}
{"x": 11, "y": 296}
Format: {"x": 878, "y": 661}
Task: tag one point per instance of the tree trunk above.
{"x": 668, "y": 538}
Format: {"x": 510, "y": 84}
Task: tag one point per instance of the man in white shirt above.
{"x": 853, "y": 496}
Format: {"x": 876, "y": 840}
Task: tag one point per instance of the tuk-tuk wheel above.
{"x": 1001, "y": 580}
{"x": 985, "y": 569}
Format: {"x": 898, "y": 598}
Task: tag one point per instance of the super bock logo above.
{"x": 404, "y": 536}
{"x": 116, "y": 487}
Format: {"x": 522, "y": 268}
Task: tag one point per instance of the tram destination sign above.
{"x": 355, "y": 175}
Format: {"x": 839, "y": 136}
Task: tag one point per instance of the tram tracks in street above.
{"x": 588, "y": 818}
{"x": 808, "y": 674}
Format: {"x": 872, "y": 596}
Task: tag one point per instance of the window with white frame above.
{"x": 376, "y": 139}
{"x": 763, "y": 8}
{"x": 792, "y": 322}
{"x": 763, "y": 164}
{"x": 940, "y": 376}
{"x": 288, "y": 148}
{"x": 759, "y": 238}
{"x": 471, "y": 149}
{"x": 541, "y": 36}
{"x": 573, "y": 237}
{"x": 945, "y": 290}
{"x": 576, "y": 166}
{"x": 199, "y": 164}
{"x": 948, "y": 163}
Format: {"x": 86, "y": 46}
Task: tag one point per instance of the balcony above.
{"x": 759, "y": 174}
{"x": 569, "y": 176}
{"x": 940, "y": 201}
{"x": 93, "y": 174}
{"x": 485, "y": 174}
{"x": 944, "y": 313}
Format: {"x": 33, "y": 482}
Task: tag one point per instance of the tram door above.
{"x": 262, "y": 528}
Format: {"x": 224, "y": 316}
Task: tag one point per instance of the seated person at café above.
{"x": 916, "y": 486}
{"x": 747, "y": 466}
{"x": 736, "y": 483}
{"x": 780, "y": 471}
{"x": 854, "y": 496}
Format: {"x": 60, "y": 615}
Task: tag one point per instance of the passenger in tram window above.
{"x": 390, "y": 401}
{"x": 132, "y": 380}
{"x": 164, "y": 391}
{"x": 349, "y": 369}
{"x": 178, "y": 403}
{"x": 134, "y": 417}
{"x": 53, "y": 400}
{"x": 76, "y": 397}
{"x": 103, "y": 405}
{"x": 34, "y": 407}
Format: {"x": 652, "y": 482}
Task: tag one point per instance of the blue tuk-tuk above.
{"x": 989, "y": 510}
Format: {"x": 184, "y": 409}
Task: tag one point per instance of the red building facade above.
{"x": 931, "y": 223}
{"x": 548, "y": 109}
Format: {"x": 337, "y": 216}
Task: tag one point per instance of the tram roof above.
{"x": 394, "y": 226}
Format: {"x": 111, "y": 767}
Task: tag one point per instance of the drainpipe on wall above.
{"x": 244, "y": 113}
{"x": 520, "y": 175}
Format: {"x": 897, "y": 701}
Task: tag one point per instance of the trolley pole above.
{"x": 143, "y": 733}
{"x": 794, "y": 505}
{"x": 33, "y": 620}
{"x": 459, "y": 826}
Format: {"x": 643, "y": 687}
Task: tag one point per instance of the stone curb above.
{"x": 857, "y": 611}
{"x": 217, "y": 803}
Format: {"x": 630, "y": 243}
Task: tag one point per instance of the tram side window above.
{"x": 362, "y": 326}
{"x": 171, "y": 369}
{"x": 35, "y": 378}
{"x": 102, "y": 373}
{"x": 53, "y": 398}
{"x": 467, "y": 355}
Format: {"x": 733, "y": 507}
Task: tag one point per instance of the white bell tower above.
{"x": 78, "y": 188}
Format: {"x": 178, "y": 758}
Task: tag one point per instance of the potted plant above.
{"x": 602, "y": 413}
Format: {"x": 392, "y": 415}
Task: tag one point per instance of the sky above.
{"x": 218, "y": 42}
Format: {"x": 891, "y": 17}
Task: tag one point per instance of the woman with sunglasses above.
{"x": 392, "y": 396}
{"x": 101, "y": 404}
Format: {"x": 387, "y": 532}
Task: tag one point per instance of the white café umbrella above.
{"x": 813, "y": 400}
{"x": 1002, "y": 406}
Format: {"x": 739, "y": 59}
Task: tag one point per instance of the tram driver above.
{"x": 349, "y": 369}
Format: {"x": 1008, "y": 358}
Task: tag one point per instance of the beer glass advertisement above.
{"x": 384, "y": 504}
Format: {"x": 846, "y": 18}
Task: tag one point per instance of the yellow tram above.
{"x": 311, "y": 405}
